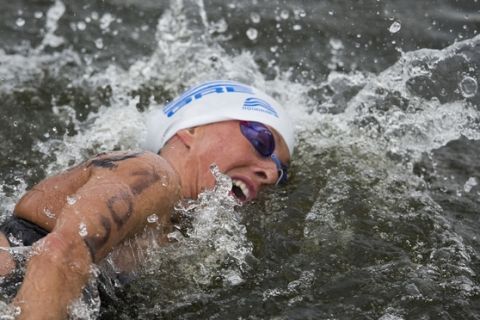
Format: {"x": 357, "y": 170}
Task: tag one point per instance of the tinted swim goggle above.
{"x": 262, "y": 139}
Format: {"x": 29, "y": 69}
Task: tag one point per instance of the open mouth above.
{"x": 240, "y": 190}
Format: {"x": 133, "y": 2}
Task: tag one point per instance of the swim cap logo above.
{"x": 256, "y": 104}
{"x": 201, "y": 91}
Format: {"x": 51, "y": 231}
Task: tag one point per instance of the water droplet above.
{"x": 20, "y": 22}
{"x": 99, "y": 43}
{"x": 38, "y": 14}
{"x": 299, "y": 13}
{"x": 336, "y": 44}
{"x": 252, "y": 33}
{"x": 94, "y": 15}
{"x": 220, "y": 26}
{"x": 15, "y": 124}
{"x": 233, "y": 278}
{"x": 175, "y": 236}
{"x": 284, "y": 14}
{"x": 14, "y": 240}
{"x": 71, "y": 200}
{"x": 331, "y": 12}
{"x": 471, "y": 182}
{"x": 153, "y": 218}
{"x": 81, "y": 25}
{"x": 82, "y": 230}
{"x": 468, "y": 87}
{"x": 48, "y": 213}
{"x": 255, "y": 17}
{"x": 297, "y": 27}
{"x": 106, "y": 20}
{"x": 223, "y": 182}
{"x": 395, "y": 27}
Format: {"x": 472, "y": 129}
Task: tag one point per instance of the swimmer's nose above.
{"x": 267, "y": 173}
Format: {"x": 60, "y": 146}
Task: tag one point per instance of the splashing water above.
{"x": 8, "y": 312}
{"x": 53, "y": 16}
{"x": 217, "y": 231}
{"x": 71, "y": 200}
{"x": 47, "y": 212}
{"x": 153, "y": 218}
{"x": 88, "y": 306}
{"x": 395, "y": 27}
{"x": 468, "y": 87}
{"x": 379, "y": 218}
{"x": 214, "y": 251}
{"x": 252, "y": 34}
{"x": 469, "y": 184}
{"x": 82, "y": 230}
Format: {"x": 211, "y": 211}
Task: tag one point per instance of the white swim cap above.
{"x": 217, "y": 101}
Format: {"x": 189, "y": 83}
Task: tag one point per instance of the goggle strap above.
{"x": 278, "y": 163}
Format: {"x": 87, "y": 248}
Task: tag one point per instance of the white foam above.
{"x": 53, "y": 16}
{"x": 469, "y": 184}
{"x": 423, "y": 126}
{"x": 215, "y": 248}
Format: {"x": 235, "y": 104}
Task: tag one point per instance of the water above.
{"x": 380, "y": 217}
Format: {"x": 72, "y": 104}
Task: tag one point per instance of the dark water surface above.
{"x": 380, "y": 219}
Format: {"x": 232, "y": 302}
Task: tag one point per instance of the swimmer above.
{"x": 76, "y": 218}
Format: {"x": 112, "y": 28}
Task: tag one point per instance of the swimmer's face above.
{"x": 224, "y": 144}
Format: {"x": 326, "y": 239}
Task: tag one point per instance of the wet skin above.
{"x": 145, "y": 184}
{"x": 114, "y": 194}
{"x": 111, "y": 197}
{"x": 223, "y": 144}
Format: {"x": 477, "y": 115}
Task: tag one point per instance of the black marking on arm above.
{"x": 95, "y": 243}
{"x": 121, "y": 208}
{"x": 147, "y": 178}
{"x": 110, "y": 161}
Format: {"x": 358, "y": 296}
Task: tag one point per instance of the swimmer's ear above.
{"x": 187, "y": 136}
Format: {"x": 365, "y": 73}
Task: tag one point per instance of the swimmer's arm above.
{"x": 110, "y": 207}
{"x": 42, "y": 204}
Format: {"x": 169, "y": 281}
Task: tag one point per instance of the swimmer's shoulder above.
{"x": 120, "y": 166}
{"x": 129, "y": 160}
{"x": 144, "y": 165}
